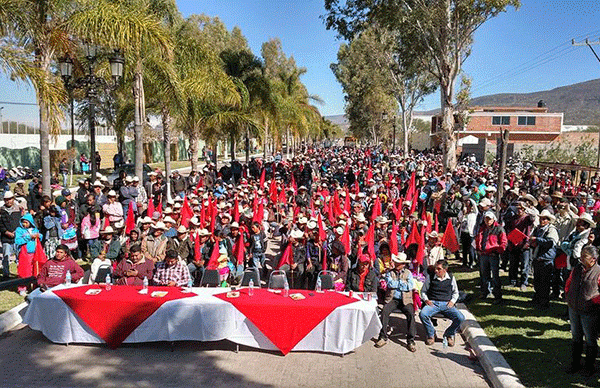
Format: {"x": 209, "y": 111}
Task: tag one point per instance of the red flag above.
{"x": 213, "y": 263}
{"x": 294, "y": 186}
{"x": 449, "y": 240}
{"x": 370, "y": 239}
{"x": 436, "y": 223}
{"x": 369, "y": 173}
{"x": 260, "y": 213}
{"x": 347, "y": 203}
{"x": 186, "y": 213}
{"x": 199, "y": 185}
{"x": 322, "y": 233}
{"x": 286, "y": 257}
{"x": 262, "y": 179}
{"x": 337, "y": 209}
{"x": 376, "y": 209}
{"x": 39, "y": 257}
{"x": 411, "y": 187}
{"x": 203, "y": 216}
{"x": 236, "y": 211}
{"x": 239, "y": 250}
{"x": 413, "y": 237}
{"x": 346, "y": 239}
{"x": 106, "y": 222}
{"x": 213, "y": 215}
{"x": 394, "y": 239}
{"x": 421, "y": 250}
{"x": 130, "y": 223}
{"x": 356, "y": 187}
{"x": 159, "y": 207}
{"x": 273, "y": 191}
{"x": 150, "y": 209}
{"x": 324, "y": 253}
{"x": 330, "y": 213}
{"x": 282, "y": 197}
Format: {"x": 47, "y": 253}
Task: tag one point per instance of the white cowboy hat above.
{"x": 587, "y": 218}
{"x": 546, "y": 214}
{"x": 297, "y": 234}
{"x": 160, "y": 225}
{"x": 107, "y": 230}
{"x": 182, "y": 229}
{"x": 400, "y": 258}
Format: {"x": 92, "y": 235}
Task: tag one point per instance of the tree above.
{"x": 440, "y": 32}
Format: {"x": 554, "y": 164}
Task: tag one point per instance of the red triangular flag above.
{"x": 324, "y": 253}
{"x": 199, "y": 185}
{"x": 346, "y": 239}
{"x": 347, "y": 208}
{"x": 370, "y": 239}
{"x": 436, "y": 227}
{"x": 330, "y": 213}
{"x": 213, "y": 263}
{"x": 337, "y": 209}
{"x": 376, "y": 209}
{"x": 236, "y": 211}
{"x": 130, "y": 223}
{"x": 262, "y": 179}
{"x": 239, "y": 250}
{"x": 213, "y": 215}
{"x": 39, "y": 257}
{"x": 273, "y": 191}
{"x": 294, "y": 186}
{"x": 356, "y": 187}
{"x": 203, "y": 216}
{"x": 394, "y": 239}
{"x": 322, "y": 233}
{"x": 159, "y": 207}
{"x": 150, "y": 209}
{"x": 106, "y": 222}
{"x": 413, "y": 237}
{"x": 449, "y": 240}
{"x": 282, "y": 198}
{"x": 369, "y": 173}
{"x": 421, "y": 251}
{"x": 186, "y": 213}
{"x": 286, "y": 257}
{"x": 411, "y": 187}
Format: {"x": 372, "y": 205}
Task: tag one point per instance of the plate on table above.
{"x": 93, "y": 291}
{"x": 297, "y": 296}
{"x": 159, "y": 294}
{"x": 233, "y": 294}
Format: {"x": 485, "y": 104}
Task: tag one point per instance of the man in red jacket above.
{"x": 54, "y": 271}
{"x": 490, "y": 242}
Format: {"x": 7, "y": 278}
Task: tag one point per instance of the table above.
{"x": 206, "y": 317}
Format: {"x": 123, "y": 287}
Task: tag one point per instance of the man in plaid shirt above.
{"x": 171, "y": 272}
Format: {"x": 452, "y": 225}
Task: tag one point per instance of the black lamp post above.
{"x": 91, "y": 83}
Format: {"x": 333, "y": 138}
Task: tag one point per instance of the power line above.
{"x": 17, "y": 103}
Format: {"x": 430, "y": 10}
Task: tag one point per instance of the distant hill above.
{"x": 579, "y": 102}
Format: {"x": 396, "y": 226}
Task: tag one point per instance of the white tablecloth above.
{"x": 207, "y": 318}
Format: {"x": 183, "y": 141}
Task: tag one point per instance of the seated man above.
{"x": 54, "y": 271}
{"x": 401, "y": 284}
{"x": 134, "y": 269}
{"x": 440, "y": 293}
{"x": 171, "y": 272}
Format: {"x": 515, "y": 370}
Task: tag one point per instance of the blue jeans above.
{"x": 584, "y": 325}
{"x": 441, "y": 307}
{"x": 65, "y": 176}
{"x": 8, "y": 249}
{"x": 490, "y": 265}
{"x": 258, "y": 259}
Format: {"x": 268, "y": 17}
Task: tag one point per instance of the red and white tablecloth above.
{"x": 329, "y": 322}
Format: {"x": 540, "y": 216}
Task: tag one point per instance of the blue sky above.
{"x": 519, "y": 51}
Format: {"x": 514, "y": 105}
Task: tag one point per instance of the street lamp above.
{"x": 91, "y": 83}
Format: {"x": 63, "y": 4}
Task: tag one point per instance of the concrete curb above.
{"x": 12, "y": 317}
{"x": 496, "y": 368}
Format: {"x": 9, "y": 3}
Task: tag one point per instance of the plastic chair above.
{"x": 102, "y": 272}
{"x": 277, "y": 280}
{"x": 250, "y": 273}
{"x": 327, "y": 280}
{"x": 210, "y": 278}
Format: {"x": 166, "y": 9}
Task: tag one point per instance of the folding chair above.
{"x": 250, "y": 273}
{"x": 327, "y": 280}
{"x": 210, "y": 278}
{"x": 277, "y": 280}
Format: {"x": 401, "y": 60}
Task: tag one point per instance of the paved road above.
{"x": 28, "y": 359}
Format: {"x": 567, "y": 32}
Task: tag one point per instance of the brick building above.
{"x": 527, "y": 125}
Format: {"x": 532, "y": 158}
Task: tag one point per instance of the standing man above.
{"x": 10, "y": 220}
{"x": 63, "y": 169}
{"x": 440, "y": 293}
{"x": 544, "y": 241}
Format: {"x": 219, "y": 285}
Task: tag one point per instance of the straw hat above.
{"x": 400, "y": 258}
{"x": 546, "y": 214}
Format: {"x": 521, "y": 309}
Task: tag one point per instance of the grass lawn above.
{"x": 536, "y": 343}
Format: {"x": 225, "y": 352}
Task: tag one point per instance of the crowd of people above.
{"x": 381, "y": 223}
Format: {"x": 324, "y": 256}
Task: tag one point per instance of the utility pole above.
{"x": 587, "y": 42}
{"x": 503, "y": 139}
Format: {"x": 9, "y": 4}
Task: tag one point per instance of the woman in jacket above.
{"x": 490, "y": 242}
{"x": 467, "y": 219}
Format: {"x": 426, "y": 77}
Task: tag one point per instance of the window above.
{"x": 526, "y": 120}
{"x": 500, "y": 120}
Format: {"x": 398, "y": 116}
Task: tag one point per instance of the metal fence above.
{"x": 16, "y": 128}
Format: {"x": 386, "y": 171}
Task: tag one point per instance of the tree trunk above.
{"x": 232, "y": 147}
{"x": 138, "y": 125}
{"x": 448, "y": 128}
{"x": 266, "y": 141}
{"x": 194, "y": 149}
{"x": 44, "y": 65}
{"x": 405, "y": 132}
{"x": 247, "y": 145}
{"x": 166, "y": 122}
